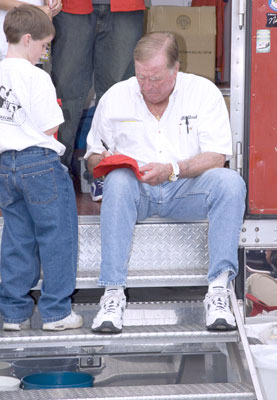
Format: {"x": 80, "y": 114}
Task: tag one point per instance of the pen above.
{"x": 106, "y": 147}
{"x": 187, "y": 123}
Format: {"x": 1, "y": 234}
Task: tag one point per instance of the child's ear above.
{"x": 25, "y": 39}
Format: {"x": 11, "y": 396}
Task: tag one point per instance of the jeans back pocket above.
{"x": 40, "y": 186}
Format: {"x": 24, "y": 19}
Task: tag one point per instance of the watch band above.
{"x": 175, "y": 172}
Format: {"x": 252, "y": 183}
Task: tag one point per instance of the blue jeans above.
{"x": 101, "y": 42}
{"x": 38, "y": 205}
{"x": 217, "y": 195}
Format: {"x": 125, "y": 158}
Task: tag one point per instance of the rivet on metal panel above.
{"x": 257, "y": 229}
{"x": 257, "y": 240}
{"x": 244, "y": 229}
{"x": 243, "y": 240}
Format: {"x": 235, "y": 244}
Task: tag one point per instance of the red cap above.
{"x": 115, "y": 161}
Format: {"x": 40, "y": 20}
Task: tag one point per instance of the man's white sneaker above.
{"x": 72, "y": 321}
{"x": 218, "y": 313}
{"x": 109, "y": 318}
{"x": 18, "y": 326}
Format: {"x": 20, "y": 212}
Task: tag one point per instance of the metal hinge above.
{"x": 242, "y": 12}
{"x": 239, "y": 157}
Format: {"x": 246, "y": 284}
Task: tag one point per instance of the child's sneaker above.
{"x": 17, "y": 326}
{"x": 72, "y": 321}
{"x": 97, "y": 189}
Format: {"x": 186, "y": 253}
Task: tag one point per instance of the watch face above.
{"x": 172, "y": 177}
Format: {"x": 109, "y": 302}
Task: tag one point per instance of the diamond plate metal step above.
{"x": 147, "y": 327}
{"x": 133, "y": 338}
{"x": 219, "y": 391}
{"x": 163, "y": 253}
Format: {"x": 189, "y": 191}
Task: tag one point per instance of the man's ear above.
{"x": 176, "y": 68}
{"x": 25, "y": 39}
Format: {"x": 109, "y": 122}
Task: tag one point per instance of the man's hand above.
{"x": 55, "y": 6}
{"x": 107, "y": 153}
{"x": 155, "y": 173}
{"x": 95, "y": 158}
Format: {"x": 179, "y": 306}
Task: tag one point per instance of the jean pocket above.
{"x": 5, "y": 195}
{"x": 40, "y": 186}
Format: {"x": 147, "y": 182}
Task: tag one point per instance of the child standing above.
{"x": 37, "y": 197}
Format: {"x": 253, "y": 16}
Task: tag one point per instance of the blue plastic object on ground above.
{"x": 57, "y": 380}
{"x": 22, "y": 368}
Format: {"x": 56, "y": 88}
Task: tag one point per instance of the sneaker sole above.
{"x": 220, "y": 324}
{"x": 61, "y": 327}
{"x": 13, "y": 329}
{"x": 97, "y": 198}
{"x": 107, "y": 327}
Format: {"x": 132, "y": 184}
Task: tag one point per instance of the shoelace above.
{"x": 220, "y": 300}
{"x": 100, "y": 183}
{"x": 112, "y": 302}
{"x": 111, "y": 306}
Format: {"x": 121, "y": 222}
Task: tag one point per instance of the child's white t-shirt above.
{"x": 3, "y": 41}
{"x": 28, "y": 107}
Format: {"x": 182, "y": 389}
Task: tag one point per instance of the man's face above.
{"x": 156, "y": 81}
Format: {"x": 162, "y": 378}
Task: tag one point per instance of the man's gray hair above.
{"x": 155, "y": 42}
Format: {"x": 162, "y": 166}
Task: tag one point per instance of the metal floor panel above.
{"x": 222, "y": 391}
{"x": 143, "y": 278}
{"x": 162, "y": 254}
{"x": 155, "y": 246}
{"x": 138, "y": 336}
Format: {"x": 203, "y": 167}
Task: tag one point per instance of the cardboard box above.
{"x": 195, "y": 29}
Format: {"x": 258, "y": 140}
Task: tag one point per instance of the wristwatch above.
{"x": 175, "y": 173}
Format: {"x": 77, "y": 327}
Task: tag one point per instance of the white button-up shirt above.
{"x": 195, "y": 121}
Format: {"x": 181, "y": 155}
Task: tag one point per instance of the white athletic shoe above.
{"x": 72, "y": 321}
{"x": 218, "y": 313}
{"x": 109, "y": 318}
{"x": 17, "y": 326}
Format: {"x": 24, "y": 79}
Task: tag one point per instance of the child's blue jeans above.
{"x": 38, "y": 205}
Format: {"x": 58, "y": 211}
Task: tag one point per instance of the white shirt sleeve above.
{"x": 46, "y": 112}
{"x": 101, "y": 128}
{"x": 214, "y": 131}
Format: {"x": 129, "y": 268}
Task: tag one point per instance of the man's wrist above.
{"x": 184, "y": 169}
{"x": 175, "y": 172}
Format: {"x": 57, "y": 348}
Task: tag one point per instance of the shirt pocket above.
{"x": 188, "y": 136}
